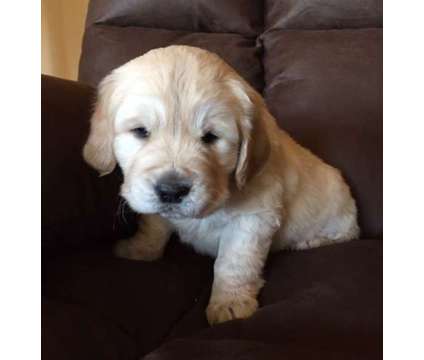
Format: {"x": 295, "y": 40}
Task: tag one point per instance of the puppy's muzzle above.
{"x": 172, "y": 188}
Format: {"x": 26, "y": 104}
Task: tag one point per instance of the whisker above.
{"x": 123, "y": 204}
{"x": 120, "y": 213}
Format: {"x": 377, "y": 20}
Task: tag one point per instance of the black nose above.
{"x": 171, "y": 188}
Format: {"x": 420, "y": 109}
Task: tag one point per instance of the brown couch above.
{"x": 318, "y": 64}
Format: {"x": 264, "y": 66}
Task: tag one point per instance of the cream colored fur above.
{"x": 254, "y": 189}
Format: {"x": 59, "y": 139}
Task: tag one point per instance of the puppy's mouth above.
{"x": 179, "y": 211}
{"x": 171, "y": 212}
{"x": 175, "y": 212}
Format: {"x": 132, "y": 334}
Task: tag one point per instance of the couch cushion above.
{"x": 220, "y": 16}
{"x": 324, "y": 303}
{"x": 73, "y": 331}
{"x": 323, "y": 14}
{"x": 318, "y": 348}
{"x": 120, "y": 31}
{"x": 78, "y": 207}
{"x": 325, "y": 89}
{"x": 107, "y": 47}
{"x": 117, "y": 301}
{"x": 196, "y": 349}
{"x": 329, "y": 299}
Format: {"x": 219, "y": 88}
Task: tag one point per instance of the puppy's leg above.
{"x": 149, "y": 241}
{"x": 237, "y": 273}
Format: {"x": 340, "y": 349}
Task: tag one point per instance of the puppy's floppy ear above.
{"x": 255, "y": 145}
{"x": 98, "y": 150}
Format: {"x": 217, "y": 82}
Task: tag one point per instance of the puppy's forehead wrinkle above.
{"x": 209, "y": 110}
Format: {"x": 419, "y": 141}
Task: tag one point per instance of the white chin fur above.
{"x": 186, "y": 209}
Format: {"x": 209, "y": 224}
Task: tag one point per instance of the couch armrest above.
{"x": 79, "y": 208}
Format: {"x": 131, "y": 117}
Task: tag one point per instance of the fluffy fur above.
{"x": 254, "y": 189}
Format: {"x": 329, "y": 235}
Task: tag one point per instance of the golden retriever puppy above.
{"x": 201, "y": 155}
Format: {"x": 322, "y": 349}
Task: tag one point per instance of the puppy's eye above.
{"x": 209, "y": 138}
{"x": 141, "y": 132}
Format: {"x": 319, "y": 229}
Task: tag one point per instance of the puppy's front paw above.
{"x": 136, "y": 250}
{"x": 235, "y": 307}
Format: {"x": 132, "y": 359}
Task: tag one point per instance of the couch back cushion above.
{"x": 325, "y": 89}
{"x": 118, "y": 31}
{"x": 318, "y": 64}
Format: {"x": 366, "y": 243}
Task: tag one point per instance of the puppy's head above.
{"x": 184, "y": 128}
